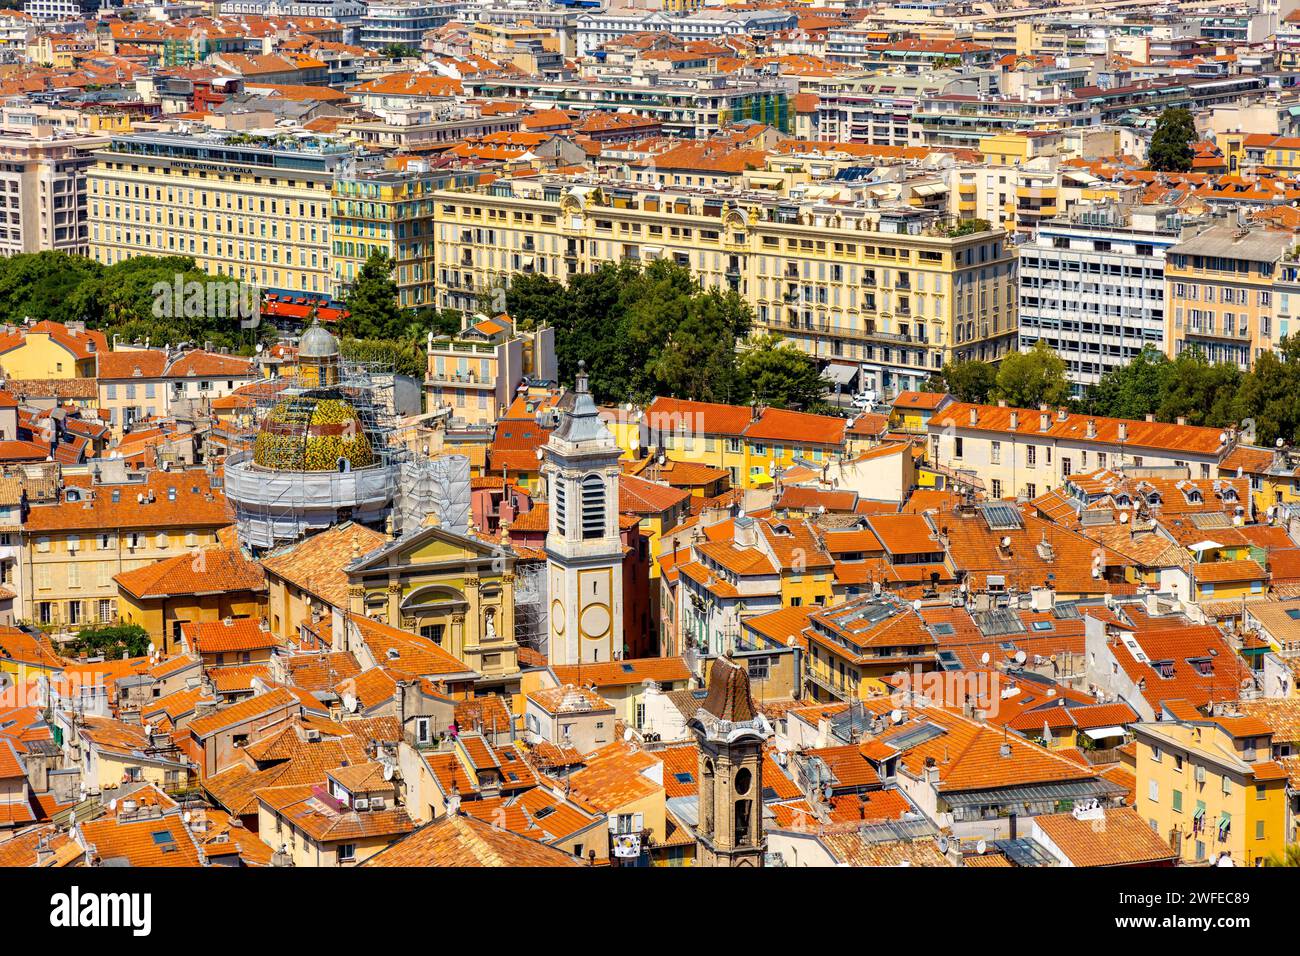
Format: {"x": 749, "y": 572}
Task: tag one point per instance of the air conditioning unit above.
{"x": 376, "y": 803}
{"x": 362, "y": 804}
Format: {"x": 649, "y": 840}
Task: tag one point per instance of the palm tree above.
{"x": 1289, "y": 857}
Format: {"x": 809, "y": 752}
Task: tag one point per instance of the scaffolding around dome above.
{"x": 325, "y": 448}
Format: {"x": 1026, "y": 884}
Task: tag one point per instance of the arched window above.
{"x": 593, "y": 506}
{"x": 561, "y": 506}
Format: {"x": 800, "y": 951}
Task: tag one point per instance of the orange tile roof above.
{"x": 466, "y": 841}
{"x": 151, "y": 842}
{"x": 196, "y": 505}
{"x": 243, "y": 711}
{"x": 231, "y": 635}
{"x": 315, "y": 564}
{"x": 1161, "y": 436}
{"x": 1113, "y": 837}
{"x": 211, "y": 571}
{"x": 631, "y": 671}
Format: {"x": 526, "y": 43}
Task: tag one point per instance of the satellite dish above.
{"x": 943, "y": 845}
{"x": 350, "y": 702}
{"x": 916, "y": 605}
{"x": 1006, "y": 542}
{"x": 152, "y": 648}
{"x": 628, "y": 735}
{"x": 1123, "y": 517}
{"x": 896, "y": 715}
{"x": 148, "y": 729}
{"x": 112, "y": 806}
{"x": 388, "y": 772}
{"x": 186, "y": 816}
{"x": 981, "y": 847}
{"x": 984, "y": 658}
{"x": 258, "y": 348}
{"x": 1020, "y": 657}
{"x": 540, "y": 454}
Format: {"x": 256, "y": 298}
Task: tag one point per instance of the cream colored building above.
{"x": 71, "y": 550}
{"x": 250, "y": 207}
{"x": 895, "y": 289}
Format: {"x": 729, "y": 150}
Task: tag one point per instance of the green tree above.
{"x": 111, "y": 641}
{"x": 1171, "y": 143}
{"x": 1288, "y": 857}
{"x": 45, "y": 285}
{"x": 1133, "y": 390}
{"x": 532, "y": 300}
{"x": 372, "y": 301}
{"x": 1269, "y": 396}
{"x": 1028, "y": 379}
{"x": 780, "y": 375}
{"x": 969, "y": 380}
{"x": 398, "y": 50}
{"x": 683, "y": 338}
{"x": 405, "y": 357}
{"x": 1200, "y": 392}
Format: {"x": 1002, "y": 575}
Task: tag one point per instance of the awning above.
{"x": 930, "y": 189}
{"x": 840, "y": 374}
{"x": 1101, "y": 733}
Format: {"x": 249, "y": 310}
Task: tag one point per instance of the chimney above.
{"x": 1092, "y": 428}
{"x": 1015, "y": 421}
{"x": 1151, "y": 416}
{"x": 974, "y": 416}
{"x": 1044, "y": 421}
{"x": 1062, "y": 414}
{"x": 1182, "y": 419}
{"x": 1002, "y": 403}
{"x": 1123, "y": 431}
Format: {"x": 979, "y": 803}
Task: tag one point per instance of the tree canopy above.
{"x": 652, "y": 329}
{"x": 110, "y": 641}
{"x": 372, "y": 301}
{"x": 122, "y": 299}
{"x": 779, "y": 374}
{"x": 969, "y": 380}
{"x": 1033, "y": 378}
{"x": 1171, "y": 142}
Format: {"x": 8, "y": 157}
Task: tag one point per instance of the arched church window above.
{"x": 561, "y": 506}
{"x": 593, "y": 506}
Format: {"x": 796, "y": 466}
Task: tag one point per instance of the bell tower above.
{"x": 584, "y": 551}
{"x": 730, "y": 735}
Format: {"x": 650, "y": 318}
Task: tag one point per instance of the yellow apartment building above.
{"x": 72, "y": 550}
{"x": 1210, "y": 786}
{"x": 390, "y": 211}
{"x": 894, "y": 289}
{"x": 852, "y": 647}
{"x": 204, "y": 587}
{"x": 749, "y": 443}
{"x": 50, "y": 350}
{"x": 254, "y": 208}
{"x": 1219, "y": 288}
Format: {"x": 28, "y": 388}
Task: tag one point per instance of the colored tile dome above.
{"x": 312, "y": 434}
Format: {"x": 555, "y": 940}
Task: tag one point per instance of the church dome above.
{"x": 312, "y": 434}
{"x": 317, "y": 343}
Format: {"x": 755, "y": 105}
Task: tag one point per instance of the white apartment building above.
{"x": 597, "y": 29}
{"x": 43, "y": 191}
{"x": 1024, "y": 452}
{"x": 1092, "y": 286}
